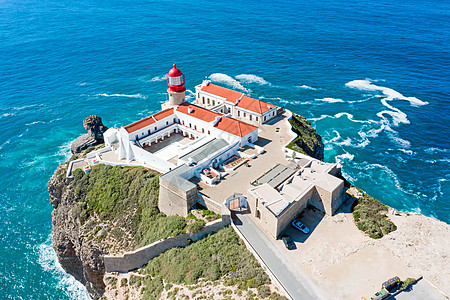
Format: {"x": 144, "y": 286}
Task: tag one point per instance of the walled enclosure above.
{"x": 140, "y": 257}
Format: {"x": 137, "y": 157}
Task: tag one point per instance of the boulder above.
{"x": 94, "y": 136}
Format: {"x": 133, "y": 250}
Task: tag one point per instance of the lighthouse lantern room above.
{"x": 176, "y": 89}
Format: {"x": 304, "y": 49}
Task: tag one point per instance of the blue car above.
{"x": 288, "y": 242}
{"x": 300, "y": 226}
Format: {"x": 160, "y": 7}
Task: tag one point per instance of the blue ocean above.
{"x": 371, "y": 76}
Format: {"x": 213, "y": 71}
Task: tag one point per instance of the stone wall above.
{"x": 173, "y": 200}
{"x": 140, "y": 257}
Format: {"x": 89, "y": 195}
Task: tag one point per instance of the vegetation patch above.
{"x": 125, "y": 198}
{"x": 370, "y": 217}
{"x": 218, "y": 255}
{"x": 308, "y": 140}
{"x": 406, "y": 283}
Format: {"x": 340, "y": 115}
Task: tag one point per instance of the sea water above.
{"x": 371, "y": 76}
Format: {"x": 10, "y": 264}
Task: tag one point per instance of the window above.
{"x": 213, "y": 103}
{"x": 250, "y": 116}
{"x": 190, "y": 125}
{"x": 256, "y": 119}
{"x": 156, "y": 128}
{"x": 209, "y": 132}
{"x": 203, "y": 130}
{"x": 238, "y": 113}
{"x": 208, "y": 101}
{"x": 136, "y": 137}
{"x": 167, "y": 122}
{"x": 264, "y": 118}
{"x": 174, "y": 120}
{"x": 182, "y": 122}
{"x": 195, "y": 127}
{"x": 203, "y": 100}
{"x": 149, "y": 131}
{"x": 250, "y": 139}
{"x": 244, "y": 114}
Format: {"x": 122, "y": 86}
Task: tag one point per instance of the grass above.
{"x": 126, "y": 197}
{"x": 308, "y": 141}
{"x": 218, "y": 255}
{"x": 370, "y": 217}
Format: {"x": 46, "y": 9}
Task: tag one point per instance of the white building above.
{"x": 236, "y": 104}
{"x": 199, "y": 124}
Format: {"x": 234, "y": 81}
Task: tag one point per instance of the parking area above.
{"x": 338, "y": 258}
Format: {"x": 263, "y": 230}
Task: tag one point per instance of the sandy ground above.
{"x": 346, "y": 264}
{"x": 202, "y": 290}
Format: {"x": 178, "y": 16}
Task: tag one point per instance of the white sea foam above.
{"x": 409, "y": 152}
{"x": 35, "y": 122}
{"x": 121, "y": 95}
{"x": 338, "y": 140}
{"x": 224, "y": 78}
{"x": 390, "y": 94}
{"x": 158, "y": 78}
{"x": 81, "y": 83}
{"x": 319, "y": 118}
{"x": 63, "y": 152}
{"x": 250, "y": 78}
{"x": 330, "y": 100}
{"x": 48, "y": 261}
{"x": 307, "y": 87}
{"x": 346, "y": 156}
{"x": 433, "y": 150}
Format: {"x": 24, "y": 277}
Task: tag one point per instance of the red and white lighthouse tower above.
{"x": 176, "y": 89}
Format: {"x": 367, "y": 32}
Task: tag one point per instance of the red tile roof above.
{"x": 246, "y": 102}
{"x": 229, "y": 125}
{"x": 149, "y": 120}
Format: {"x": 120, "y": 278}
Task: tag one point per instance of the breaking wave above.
{"x": 224, "y": 78}
{"x": 48, "y": 261}
{"x": 367, "y": 85}
{"x": 250, "y": 78}
{"x": 345, "y": 156}
{"x": 330, "y": 100}
{"x": 307, "y": 87}
{"x": 158, "y": 78}
{"x": 121, "y": 95}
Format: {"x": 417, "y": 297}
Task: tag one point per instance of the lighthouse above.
{"x": 176, "y": 89}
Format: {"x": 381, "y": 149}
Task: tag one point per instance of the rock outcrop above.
{"x": 308, "y": 140}
{"x": 95, "y": 128}
{"x": 78, "y": 255}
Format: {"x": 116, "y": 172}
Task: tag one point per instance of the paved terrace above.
{"x": 238, "y": 181}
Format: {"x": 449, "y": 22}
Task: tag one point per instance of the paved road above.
{"x": 296, "y": 285}
{"x": 419, "y": 291}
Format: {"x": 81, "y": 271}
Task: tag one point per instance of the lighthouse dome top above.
{"x": 174, "y": 72}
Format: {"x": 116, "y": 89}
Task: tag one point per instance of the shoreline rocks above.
{"x": 94, "y": 136}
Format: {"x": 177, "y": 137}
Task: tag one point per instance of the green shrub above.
{"x": 196, "y": 226}
{"x": 405, "y": 284}
{"x": 210, "y": 258}
{"x": 370, "y": 217}
{"x": 128, "y": 197}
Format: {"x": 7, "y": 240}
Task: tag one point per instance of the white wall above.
{"x": 146, "y": 157}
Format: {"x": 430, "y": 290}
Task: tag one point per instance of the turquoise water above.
{"x": 372, "y": 77}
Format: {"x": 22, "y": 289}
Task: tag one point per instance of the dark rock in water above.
{"x": 78, "y": 255}
{"x": 95, "y": 128}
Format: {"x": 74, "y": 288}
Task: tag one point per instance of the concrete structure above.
{"x": 233, "y": 103}
{"x": 284, "y": 192}
{"x": 194, "y": 145}
{"x": 140, "y": 257}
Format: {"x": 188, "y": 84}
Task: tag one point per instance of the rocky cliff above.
{"x": 78, "y": 255}
{"x": 308, "y": 141}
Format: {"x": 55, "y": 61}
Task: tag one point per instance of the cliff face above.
{"x": 308, "y": 140}
{"x": 78, "y": 255}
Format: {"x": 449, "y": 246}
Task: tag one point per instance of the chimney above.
{"x": 216, "y": 120}
{"x": 190, "y": 110}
